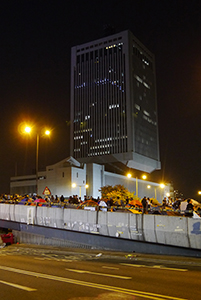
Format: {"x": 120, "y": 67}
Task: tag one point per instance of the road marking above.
{"x": 92, "y": 285}
{"x": 100, "y": 274}
{"x": 112, "y": 268}
{"x": 25, "y": 288}
{"x": 155, "y": 267}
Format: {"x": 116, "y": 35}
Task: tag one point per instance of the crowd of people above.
{"x": 145, "y": 205}
{"x": 180, "y": 206}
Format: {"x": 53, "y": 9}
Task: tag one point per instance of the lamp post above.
{"x": 27, "y": 130}
{"x": 136, "y": 183}
{"x": 144, "y": 177}
{"x": 80, "y": 188}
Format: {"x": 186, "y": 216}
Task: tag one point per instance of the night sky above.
{"x": 35, "y": 45}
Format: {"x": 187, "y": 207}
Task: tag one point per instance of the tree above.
{"x": 118, "y": 193}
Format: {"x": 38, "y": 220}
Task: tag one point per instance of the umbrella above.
{"x": 23, "y": 200}
{"x": 88, "y": 203}
{"x": 40, "y": 200}
{"x": 135, "y": 203}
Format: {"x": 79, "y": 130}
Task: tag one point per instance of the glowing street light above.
{"x": 26, "y": 129}
{"x": 136, "y": 183}
{"x": 80, "y": 187}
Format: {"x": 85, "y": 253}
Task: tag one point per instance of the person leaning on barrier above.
{"x": 189, "y": 209}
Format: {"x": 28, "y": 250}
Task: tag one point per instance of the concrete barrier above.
{"x": 102, "y": 223}
{"x": 12, "y": 212}
{"x": 167, "y": 230}
{"x": 194, "y": 233}
{"x": 56, "y": 217}
{"x": 118, "y": 224}
{"x": 5, "y": 211}
{"x": 136, "y": 227}
{"x": 172, "y": 230}
{"x": 80, "y": 220}
{"x": 43, "y": 216}
{"x": 20, "y": 213}
{"x": 149, "y": 232}
{"x": 50, "y": 216}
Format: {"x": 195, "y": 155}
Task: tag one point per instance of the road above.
{"x": 33, "y": 272}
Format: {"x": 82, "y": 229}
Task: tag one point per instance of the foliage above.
{"x": 118, "y": 193}
{"x": 155, "y": 202}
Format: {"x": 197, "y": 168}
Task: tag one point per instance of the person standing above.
{"x": 144, "y": 205}
{"x": 189, "y": 209}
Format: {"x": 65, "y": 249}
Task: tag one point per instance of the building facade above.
{"x": 114, "y": 103}
{"x": 68, "y": 177}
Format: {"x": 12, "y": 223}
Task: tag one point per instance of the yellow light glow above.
{"x": 27, "y": 129}
{"x": 47, "y": 132}
{"x": 162, "y": 185}
{"x": 199, "y": 193}
{"x": 144, "y": 177}
{"x": 86, "y": 186}
{"x": 168, "y": 194}
{"x": 148, "y": 186}
{"x": 129, "y": 175}
{"x": 73, "y": 185}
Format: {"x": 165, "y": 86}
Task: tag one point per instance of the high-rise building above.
{"x": 114, "y": 103}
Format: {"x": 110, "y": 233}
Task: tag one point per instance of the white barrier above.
{"x": 172, "y": 230}
{"x": 168, "y": 230}
{"x": 4, "y": 212}
{"x": 149, "y": 228}
{"x": 118, "y": 224}
{"x": 136, "y": 227}
{"x": 80, "y": 220}
{"x": 194, "y": 233}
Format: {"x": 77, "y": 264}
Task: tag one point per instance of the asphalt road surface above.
{"x": 38, "y": 273}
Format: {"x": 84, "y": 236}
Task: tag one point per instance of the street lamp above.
{"x": 44, "y": 132}
{"x": 144, "y": 177}
{"x": 136, "y": 183}
{"x": 80, "y": 188}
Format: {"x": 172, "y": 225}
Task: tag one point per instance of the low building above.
{"x": 69, "y": 177}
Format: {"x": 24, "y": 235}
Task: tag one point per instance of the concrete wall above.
{"x": 142, "y": 186}
{"x": 176, "y": 231}
{"x": 95, "y": 179}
